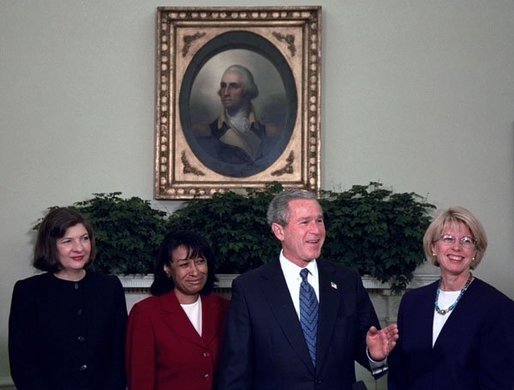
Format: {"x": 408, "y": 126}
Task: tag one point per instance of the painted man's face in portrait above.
{"x": 232, "y": 92}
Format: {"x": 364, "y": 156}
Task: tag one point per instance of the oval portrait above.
{"x": 238, "y": 104}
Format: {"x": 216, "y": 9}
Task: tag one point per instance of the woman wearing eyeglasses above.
{"x": 455, "y": 333}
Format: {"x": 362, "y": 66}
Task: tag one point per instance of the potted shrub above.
{"x": 235, "y": 225}
{"x": 369, "y": 228}
{"x": 376, "y": 232}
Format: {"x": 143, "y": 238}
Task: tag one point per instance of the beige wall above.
{"x": 417, "y": 94}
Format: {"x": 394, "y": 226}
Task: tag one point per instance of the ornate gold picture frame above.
{"x": 237, "y": 99}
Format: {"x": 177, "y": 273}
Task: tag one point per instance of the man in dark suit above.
{"x": 265, "y": 345}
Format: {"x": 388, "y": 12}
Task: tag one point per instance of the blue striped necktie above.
{"x": 309, "y": 314}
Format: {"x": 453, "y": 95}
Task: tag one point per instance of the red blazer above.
{"x": 165, "y": 352}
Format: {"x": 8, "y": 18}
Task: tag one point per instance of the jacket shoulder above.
{"x": 255, "y": 274}
{"x": 423, "y": 290}
{"x": 327, "y": 267}
{"x": 486, "y": 293}
{"x": 148, "y": 302}
{"x": 33, "y": 281}
{"x": 104, "y": 282}
{"x": 107, "y": 278}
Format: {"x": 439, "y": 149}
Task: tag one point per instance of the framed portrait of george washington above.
{"x": 237, "y": 99}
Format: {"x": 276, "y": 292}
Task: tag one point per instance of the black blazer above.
{"x": 475, "y": 349}
{"x": 67, "y": 336}
{"x": 264, "y": 345}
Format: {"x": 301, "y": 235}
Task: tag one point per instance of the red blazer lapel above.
{"x": 176, "y": 319}
{"x": 211, "y": 312}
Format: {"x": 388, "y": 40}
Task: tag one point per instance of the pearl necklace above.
{"x": 452, "y": 306}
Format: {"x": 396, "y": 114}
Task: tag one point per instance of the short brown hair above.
{"x": 53, "y": 227}
{"x": 278, "y": 209}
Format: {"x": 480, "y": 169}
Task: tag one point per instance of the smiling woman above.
{"x": 73, "y": 252}
{"x": 67, "y": 326}
{"x": 189, "y": 274}
{"x": 174, "y": 336}
{"x": 456, "y": 332}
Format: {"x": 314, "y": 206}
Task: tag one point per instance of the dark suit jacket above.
{"x": 164, "y": 351}
{"x": 65, "y": 335}
{"x": 265, "y": 347}
{"x": 475, "y": 349}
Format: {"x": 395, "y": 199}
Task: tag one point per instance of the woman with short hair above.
{"x": 455, "y": 333}
{"x": 67, "y": 325}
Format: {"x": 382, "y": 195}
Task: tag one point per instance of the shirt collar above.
{"x": 290, "y": 268}
{"x": 223, "y": 118}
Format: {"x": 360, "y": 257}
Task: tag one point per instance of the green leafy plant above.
{"x": 376, "y": 232}
{"x": 235, "y": 225}
{"x": 369, "y": 228}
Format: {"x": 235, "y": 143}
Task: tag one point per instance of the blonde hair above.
{"x": 453, "y": 216}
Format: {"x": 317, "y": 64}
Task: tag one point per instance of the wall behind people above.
{"x": 416, "y": 94}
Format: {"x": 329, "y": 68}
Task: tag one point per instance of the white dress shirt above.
{"x": 194, "y": 313}
{"x": 293, "y": 279}
{"x": 445, "y": 300}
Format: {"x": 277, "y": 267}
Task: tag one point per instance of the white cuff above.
{"x": 377, "y": 367}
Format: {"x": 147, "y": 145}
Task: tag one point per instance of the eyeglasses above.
{"x": 465, "y": 241}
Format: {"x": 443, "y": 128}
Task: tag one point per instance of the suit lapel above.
{"x": 424, "y": 317}
{"x": 328, "y": 308}
{"x": 274, "y": 289}
{"x": 176, "y": 319}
